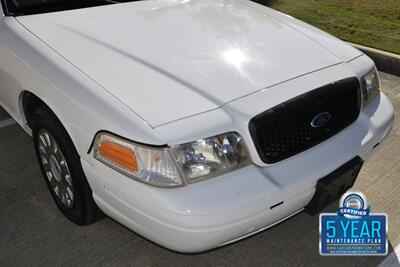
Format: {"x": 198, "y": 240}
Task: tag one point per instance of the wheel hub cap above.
{"x": 56, "y": 168}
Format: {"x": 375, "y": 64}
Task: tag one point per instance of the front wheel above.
{"x": 61, "y": 168}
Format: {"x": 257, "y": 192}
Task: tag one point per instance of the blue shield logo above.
{"x": 321, "y": 119}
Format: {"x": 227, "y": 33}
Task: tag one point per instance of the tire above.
{"x": 62, "y": 169}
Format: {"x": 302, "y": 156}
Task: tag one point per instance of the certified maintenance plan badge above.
{"x": 353, "y": 230}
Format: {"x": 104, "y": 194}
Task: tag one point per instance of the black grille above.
{"x": 287, "y": 129}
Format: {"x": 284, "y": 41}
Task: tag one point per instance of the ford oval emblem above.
{"x": 321, "y": 119}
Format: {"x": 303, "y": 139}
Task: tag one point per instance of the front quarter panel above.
{"x": 80, "y": 103}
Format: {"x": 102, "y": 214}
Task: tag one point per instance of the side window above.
{"x": 5, "y": 5}
{"x": 1, "y": 8}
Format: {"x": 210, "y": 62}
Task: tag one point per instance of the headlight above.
{"x": 172, "y": 166}
{"x": 370, "y": 85}
{"x": 211, "y": 157}
{"x": 147, "y": 164}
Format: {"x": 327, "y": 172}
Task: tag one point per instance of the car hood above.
{"x": 167, "y": 60}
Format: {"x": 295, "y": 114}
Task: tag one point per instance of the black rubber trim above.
{"x": 123, "y": 138}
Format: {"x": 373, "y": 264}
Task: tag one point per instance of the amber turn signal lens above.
{"x": 119, "y": 154}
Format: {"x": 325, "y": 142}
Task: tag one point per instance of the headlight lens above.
{"x": 370, "y": 85}
{"x": 210, "y": 157}
{"x": 150, "y": 165}
{"x": 172, "y": 166}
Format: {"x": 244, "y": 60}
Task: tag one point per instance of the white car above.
{"x": 195, "y": 123}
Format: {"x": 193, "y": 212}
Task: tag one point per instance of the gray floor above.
{"x": 3, "y": 115}
{"x": 33, "y": 232}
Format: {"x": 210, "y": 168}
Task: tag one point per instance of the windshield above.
{"x": 29, "y": 7}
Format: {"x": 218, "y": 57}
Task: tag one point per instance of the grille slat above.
{"x": 286, "y": 130}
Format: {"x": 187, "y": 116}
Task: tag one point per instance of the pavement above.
{"x": 33, "y": 231}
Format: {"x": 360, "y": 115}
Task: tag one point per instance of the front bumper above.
{"x": 215, "y": 212}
